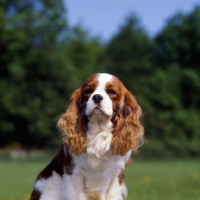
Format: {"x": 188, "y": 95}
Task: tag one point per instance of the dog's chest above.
{"x": 96, "y": 181}
{"x": 98, "y": 173}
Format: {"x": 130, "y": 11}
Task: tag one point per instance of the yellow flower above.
{"x": 26, "y": 196}
{"x": 147, "y": 179}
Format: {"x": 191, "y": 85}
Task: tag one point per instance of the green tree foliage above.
{"x": 164, "y": 74}
{"x": 82, "y": 51}
{"x": 175, "y": 85}
{"x": 128, "y": 54}
{"x": 30, "y": 81}
{"x": 178, "y": 42}
{"x": 43, "y": 60}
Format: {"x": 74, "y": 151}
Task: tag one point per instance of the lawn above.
{"x": 163, "y": 180}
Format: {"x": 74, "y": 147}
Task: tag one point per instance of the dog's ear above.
{"x": 128, "y": 132}
{"x": 70, "y": 125}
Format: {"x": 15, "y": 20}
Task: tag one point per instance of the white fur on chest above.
{"x": 97, "y": 166}
{"x": 99, "y": 139}
{"x": 96, "y": 170}
{"x": 100, "y": 175}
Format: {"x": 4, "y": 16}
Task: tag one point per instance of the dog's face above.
{"x": 102, "y": 97}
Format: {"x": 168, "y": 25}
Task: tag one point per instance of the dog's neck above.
{"x": 99, "y": 135}
{"x": 99, "y": 123}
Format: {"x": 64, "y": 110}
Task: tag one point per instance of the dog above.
{"x": 100, "y": 128}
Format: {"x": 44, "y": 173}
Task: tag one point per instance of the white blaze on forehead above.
{"x": 104, "y": 78}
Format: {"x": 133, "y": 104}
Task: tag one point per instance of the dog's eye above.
{"x": 88, "y": 91}
{"x": 110, "y": 91}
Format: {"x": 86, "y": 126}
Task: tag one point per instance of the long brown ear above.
{"x": 128, "y": 132}
{"x": 70, "y": 125}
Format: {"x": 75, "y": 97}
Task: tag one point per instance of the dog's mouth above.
{"x": 97, "y": 111}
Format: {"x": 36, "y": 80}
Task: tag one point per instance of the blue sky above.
{"x": 103, "y": 17}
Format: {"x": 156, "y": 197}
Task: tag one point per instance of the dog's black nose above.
{"x": 97, "y": 98}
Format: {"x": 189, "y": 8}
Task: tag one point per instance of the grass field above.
{"x": 163, "y": 180}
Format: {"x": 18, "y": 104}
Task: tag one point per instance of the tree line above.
{"x": 43, "y": 60}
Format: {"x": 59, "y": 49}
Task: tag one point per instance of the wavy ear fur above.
{"x": 70, "y": 125}
{"x": 128, "y": 133}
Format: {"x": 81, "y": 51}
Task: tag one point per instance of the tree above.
{"x": 179, "y": 41}
{"x": 82, "y": 51}
{"x": 129, "y": 53}
{"x": 43, "y": 61}
{"x": 33, "y": 70}
{"x": 174, "y": 87}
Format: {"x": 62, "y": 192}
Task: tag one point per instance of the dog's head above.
{"x": 102, "y": 97}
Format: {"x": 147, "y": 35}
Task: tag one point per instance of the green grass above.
{"x": 17, "y": 176}
{"x": 163, "y": 180}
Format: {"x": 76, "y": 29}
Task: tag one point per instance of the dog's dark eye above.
{"x": 88, "y": 91}
{"x": 110, "y": 91}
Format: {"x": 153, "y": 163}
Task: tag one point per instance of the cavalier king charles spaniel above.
{"x": 99, "y": 129}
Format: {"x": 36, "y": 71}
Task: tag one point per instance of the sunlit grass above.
{"x": 173, "y": 180}
{"x": 163, "y": 180}
{"x": 17, "y": 176}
